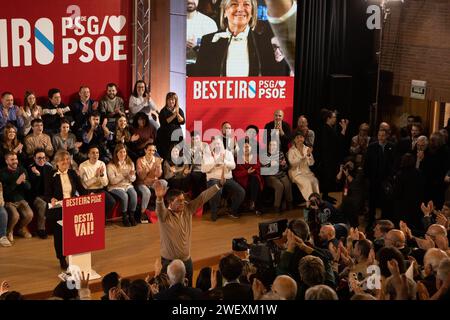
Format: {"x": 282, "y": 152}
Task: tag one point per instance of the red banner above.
{"x": 64, "y": 44}
{"x": 240, "y": 100}
{"x": 84, "y": 224}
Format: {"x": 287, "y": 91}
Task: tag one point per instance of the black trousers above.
{"x": 53, "y": 216}
{"x": 377, "y": 199}
{"x": 253, "y": 188}
{"x": 198, "y": 183}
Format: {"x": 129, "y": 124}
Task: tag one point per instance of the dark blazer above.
{"x": 179, "y": 292}
{"x": 211, "y": 58}
{"x": 235, "y": 291}
{"x": 53, "y": 186}
{"x": 284, "y": 140}
{"x": 379, "y": 165}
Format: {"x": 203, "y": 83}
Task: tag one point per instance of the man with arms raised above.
{"x": 175, "y": 223}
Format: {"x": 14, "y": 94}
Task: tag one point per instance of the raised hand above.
{"x": 134, "y": 137}
{"x": 258, "y": 289}
{"x": 19, "y": 148}
{"x": 84, "y": 281}
{"x": 427, "y": 210}
{"x": 158, "y": 267}
{"x": 213, "y": 278}
{"x": 393, "y": 267}
{"x": 21, "y": 179}
{"x": 441, "y": 219}
{"x": 344, "y": 123}
{"x": 334, "y": 252}
{"x": 160, "y": 189}
{"x": 117, "y": 294}
{"x": 354, "y": 284}
{"x": 4, "y": 287}
{"x": 425, "y": 244}
{"x": 441, "y": 242}
{"x": 371, "y": 258}
{"x": 35, "y": 171}
{"x": 406, "y": 230}
{"x": 422, "y": 291}
{"x": 291, "y": 241}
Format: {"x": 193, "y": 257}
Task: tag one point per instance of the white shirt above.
{"x": 66, "y": 185}
{"x": 238, "y": 62}
{"x": 140, "y": 104}
{"x": 211, "y": 165}
{"x": 196, "y": 27}
{"x": 88, "y": 175}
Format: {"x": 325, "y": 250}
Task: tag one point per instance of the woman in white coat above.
{"x": 300, "y": 159}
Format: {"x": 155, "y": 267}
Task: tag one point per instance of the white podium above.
{"x": 82, "y": 262}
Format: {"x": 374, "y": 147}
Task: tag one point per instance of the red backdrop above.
{"x": 101, "y": 36}
{"x": 239, "y": 100}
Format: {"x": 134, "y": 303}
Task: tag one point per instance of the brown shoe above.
{"x": 24, "y": 233}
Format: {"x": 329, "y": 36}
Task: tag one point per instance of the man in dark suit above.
{"x": 329, "y": 153}
{"x": 408, "y": 143}
{"x": 231, "y": 268}
{"x": 379, "y": 166}
{"x": 177, "y": 290}
{"x": 278, "y": 129}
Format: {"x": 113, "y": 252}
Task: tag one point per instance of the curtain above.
{"x": 321, "y": 45}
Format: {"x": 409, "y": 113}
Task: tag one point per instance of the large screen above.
{"x": 236, "y": 70}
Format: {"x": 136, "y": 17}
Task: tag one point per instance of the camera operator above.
{"x": 319, "y": 212}
{"x": 298, "y": 246}
{"x": 351, "y": 179}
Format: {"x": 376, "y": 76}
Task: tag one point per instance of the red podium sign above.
{"x": 84, "y": 224}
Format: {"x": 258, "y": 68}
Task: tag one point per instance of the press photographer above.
{"x": 319, "y": 212}
{"x": 350, "y": 179}
{"x": 297, "y": 245}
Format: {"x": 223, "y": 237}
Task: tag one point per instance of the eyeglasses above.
{"x": 41, "y": 158}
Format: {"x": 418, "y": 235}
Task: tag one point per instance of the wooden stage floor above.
{"x": 30, "y": 265}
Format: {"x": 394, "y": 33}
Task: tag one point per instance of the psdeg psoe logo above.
{"x": 83, "y": 38}
{"x": 239, "y": 89}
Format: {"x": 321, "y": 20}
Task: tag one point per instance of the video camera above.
{"x": 264, "y": 253}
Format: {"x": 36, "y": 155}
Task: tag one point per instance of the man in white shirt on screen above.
{"x": 198, "y": 25}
